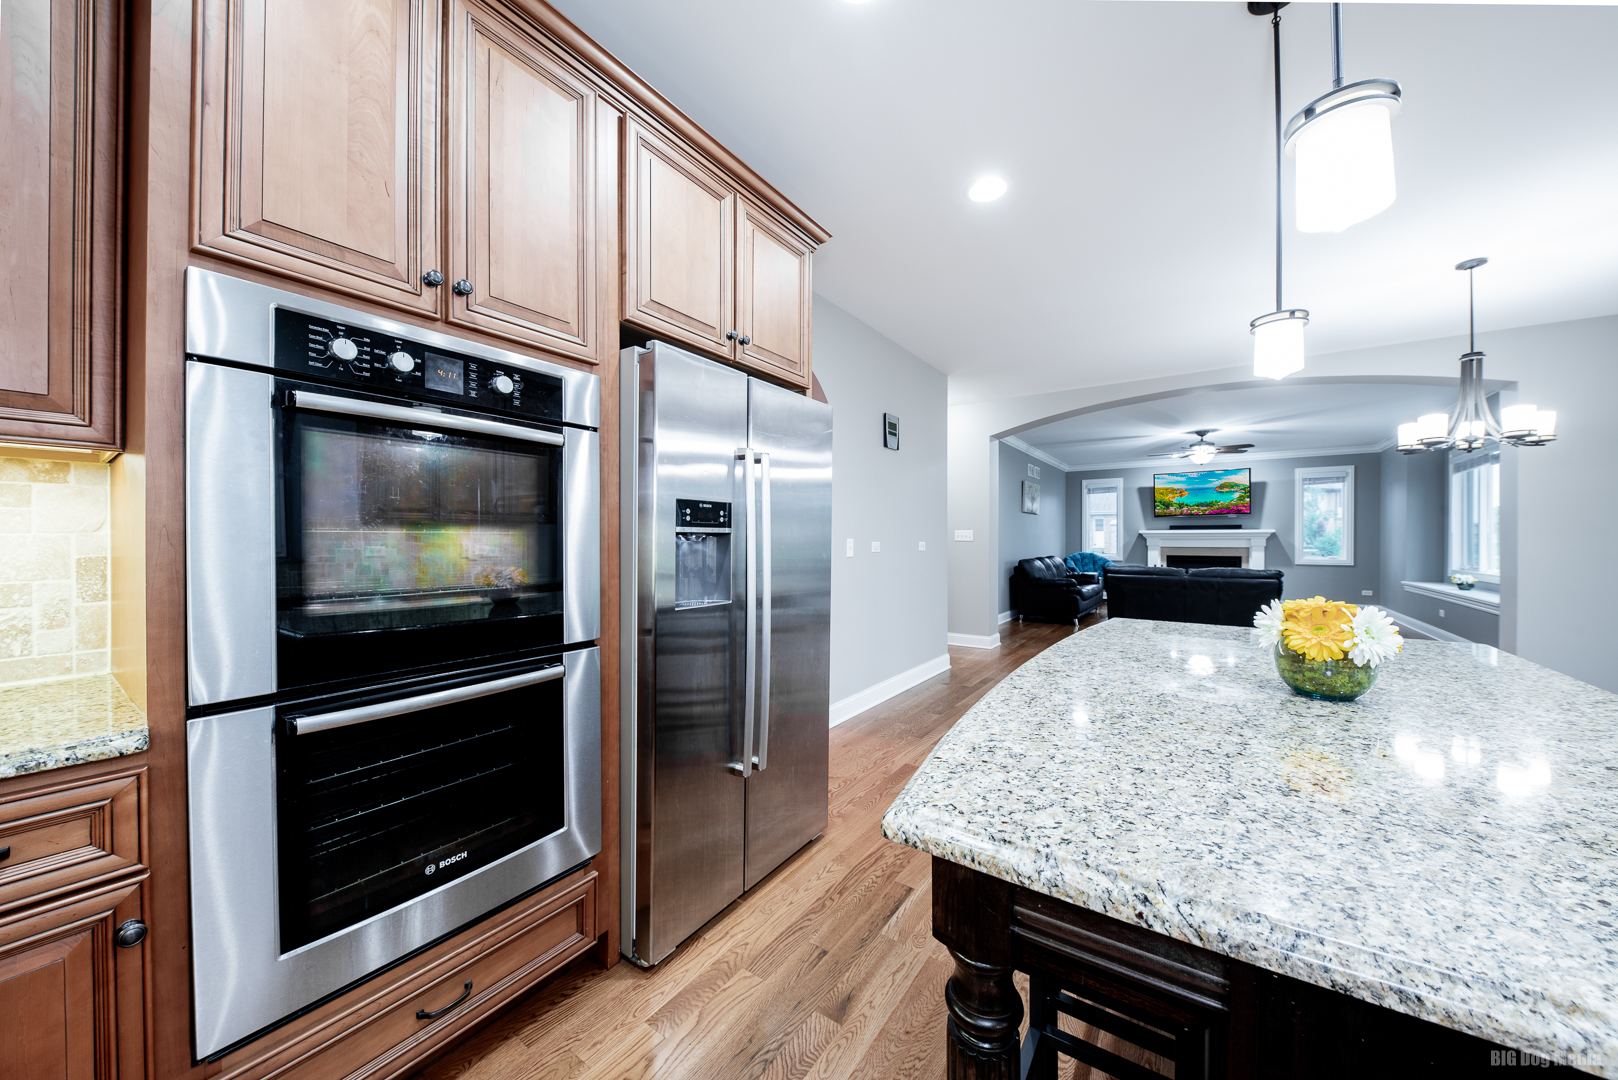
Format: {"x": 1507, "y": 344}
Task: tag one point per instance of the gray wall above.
{"x": 1274, "y": 480}
{"x": 1025, "y": 536}
{"x": 889, "y": 610}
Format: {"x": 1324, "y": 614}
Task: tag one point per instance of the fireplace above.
{"x": 1198, "y": 562}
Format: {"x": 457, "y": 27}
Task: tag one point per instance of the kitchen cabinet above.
{"x": 60, "y": 198}
{"x": 707, "y": 267}
{"x": 524, "y": 250}
{"x": 72, "y": 931}
{"x": 317, "y": 143}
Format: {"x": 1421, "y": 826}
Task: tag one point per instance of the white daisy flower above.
{"x": 1374, "y": 637}
{"x": 1268, "y": 622}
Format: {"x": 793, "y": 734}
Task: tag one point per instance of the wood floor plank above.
{"x": 826, "y": 970}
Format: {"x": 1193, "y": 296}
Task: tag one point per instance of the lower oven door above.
{"x": 328, "y": 844}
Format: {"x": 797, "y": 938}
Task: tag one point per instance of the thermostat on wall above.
{"x": 890, "y": 431}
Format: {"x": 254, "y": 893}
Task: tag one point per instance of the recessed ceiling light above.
{"x": 987, "y": 189}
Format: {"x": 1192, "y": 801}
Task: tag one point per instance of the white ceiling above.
{"x": 1136, "y": 239}
{"x": 1280, "y": 420}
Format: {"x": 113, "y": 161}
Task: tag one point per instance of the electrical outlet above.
{"x": 851, "y": 548}
{"x": 921, "y": 545}
{"x": 1440, "y": 613}
{"x": 876, "y": 545}
{"x": 964, "y": 535}
{"x": 1366, "y": 592}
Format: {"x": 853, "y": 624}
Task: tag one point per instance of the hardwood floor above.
{"x": 827, "y": 969}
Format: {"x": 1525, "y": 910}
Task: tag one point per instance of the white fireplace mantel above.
{"x": 1247, "y": 543}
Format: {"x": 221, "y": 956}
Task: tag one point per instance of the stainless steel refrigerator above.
{"x": 727, "y": 625}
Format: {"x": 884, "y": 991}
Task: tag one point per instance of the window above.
{"x": 1101, "y": 507}
{"x": 1325, "y": 535}
{"x": 1474, "y": 514}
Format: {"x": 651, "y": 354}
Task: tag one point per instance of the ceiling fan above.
{"x": 1202, "y": 451}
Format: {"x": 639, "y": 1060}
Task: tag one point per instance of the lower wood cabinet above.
{"x": 71, "y": 999}
{"x": 390, "y": 1025}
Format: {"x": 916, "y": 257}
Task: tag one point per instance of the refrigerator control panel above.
{"x": 695, "y": 513}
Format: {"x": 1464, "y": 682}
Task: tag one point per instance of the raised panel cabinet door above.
{"x": 774, "y": 297}
{"x": 72, "y": 1007}
{"x": 60, "y": 108}
{"x": 522, "y": 187}
{"x": 679, "y": 261}
{"x": 318, "y": 142}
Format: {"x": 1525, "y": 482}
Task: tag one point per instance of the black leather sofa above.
{"x": 1224, "y": 596}
{"x": 1044, "y": 588}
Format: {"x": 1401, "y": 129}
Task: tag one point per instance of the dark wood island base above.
{"x": 1199, "y": 1015}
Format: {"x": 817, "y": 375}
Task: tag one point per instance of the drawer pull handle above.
{"x": 130, "y": 933}
{"x": 466, "y": 992}
{"x": 5, "y": 853}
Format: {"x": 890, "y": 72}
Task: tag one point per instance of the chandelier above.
{"x": 1471, "y": 424}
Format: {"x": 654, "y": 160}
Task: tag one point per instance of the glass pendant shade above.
{"x": 1410, "y": 438}
{"x": 1432, "y": 429}
{"x": 1344, "y": 165}
{"x": 1527, "y": 425}
{"x": 1278, "y": 343}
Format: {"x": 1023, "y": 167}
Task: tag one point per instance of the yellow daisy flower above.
{"x": 1318, "y": 628}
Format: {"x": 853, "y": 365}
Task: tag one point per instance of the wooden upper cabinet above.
{"x": 60, "y": 168}
{"x": 523, "y": 187}
{"x": 774, "y": 297}
{"x": 318, "y": 142}
{"x": 679, "y": 235}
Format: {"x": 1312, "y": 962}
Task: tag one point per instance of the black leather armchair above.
{"x": 1223, "y": 596}
{"x": 1044, "y": 588}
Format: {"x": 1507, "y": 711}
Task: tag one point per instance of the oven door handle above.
{"x": 416, "y": 417}
{"x": 308, "y": 725}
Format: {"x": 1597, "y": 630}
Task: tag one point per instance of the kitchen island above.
{"x": 1184, "y": 853}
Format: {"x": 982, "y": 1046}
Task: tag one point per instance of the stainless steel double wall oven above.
{"x": 392, "y": 544}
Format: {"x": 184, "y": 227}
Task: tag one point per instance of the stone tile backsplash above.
{"x": 54, "y": 536}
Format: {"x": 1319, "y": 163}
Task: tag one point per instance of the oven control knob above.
{"x": 402, "y": 362}
{"x": 342, "y": 348}
{"x": 502, "y": 384}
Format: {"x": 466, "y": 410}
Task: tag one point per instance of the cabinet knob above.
{"x": 731, "y": 335}
{"x": 746, "y": 340}
{"x": 432, "y": 278}
{"x": 463, "y": 287}
{"x": 129, "y": 934}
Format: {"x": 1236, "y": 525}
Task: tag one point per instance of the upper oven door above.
{"x": 337, "y": 538}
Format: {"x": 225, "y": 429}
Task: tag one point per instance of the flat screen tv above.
{"x": 1194, "y": 494}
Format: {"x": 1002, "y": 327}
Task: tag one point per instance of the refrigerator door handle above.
{"x": 749, "y": 716}
{"x": 763, "y": 759}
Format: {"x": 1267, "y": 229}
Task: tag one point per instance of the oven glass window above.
{"x": 375, "y": 814}
{"x": 389, "y": 528}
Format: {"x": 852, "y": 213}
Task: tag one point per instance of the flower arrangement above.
{"x": 1462, "y": 581}
{"x": 1326, "y": 648}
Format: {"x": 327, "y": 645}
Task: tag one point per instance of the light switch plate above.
{"x": 1033, "y": 470}
{"x": 876, "y": 545}
{"x": 921, "y": 545}
{"x": 963, "y": 534}
{"x": 851, "y": 548}
{"x": 1367, "y": 592}
{"x": 1440, "y": 613}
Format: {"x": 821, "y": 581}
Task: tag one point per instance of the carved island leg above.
{"x": 972, "y": 916}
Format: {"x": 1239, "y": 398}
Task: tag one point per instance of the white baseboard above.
{"x": 1424, "y": 628}
{"x": 1007, "y": 616}
{"x": 854, "y": 704}
{"x": 976, "y": 641}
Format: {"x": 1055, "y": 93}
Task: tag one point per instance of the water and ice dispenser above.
{"x": 701, "y": 553}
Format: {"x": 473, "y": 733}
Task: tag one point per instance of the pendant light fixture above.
{"x": 1343, "y": 144}
{"x": 1471, "y": 424}
{"x": 1277, "y": 337}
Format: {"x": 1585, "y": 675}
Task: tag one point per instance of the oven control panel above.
{"x": 359, "y": 356}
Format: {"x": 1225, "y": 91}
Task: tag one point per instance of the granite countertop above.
{"x": 48, "y": 725}
{"x": 1447, "y": 846}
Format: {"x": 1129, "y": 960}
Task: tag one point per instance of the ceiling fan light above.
{"x": 1203, "y": 454}
{"x": 1432, "y": 429}
{"x": 1343, "y": 144}
{"x": 1278, "y": 343}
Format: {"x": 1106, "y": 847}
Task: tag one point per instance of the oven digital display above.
{"x": 445, "y": 374}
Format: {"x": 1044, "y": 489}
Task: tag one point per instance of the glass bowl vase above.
{"x": 1324, "y": 680}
